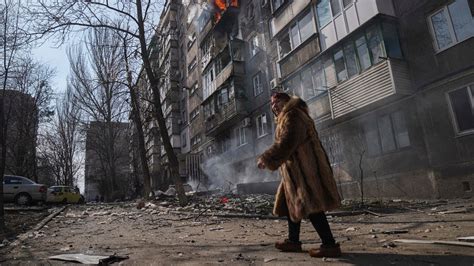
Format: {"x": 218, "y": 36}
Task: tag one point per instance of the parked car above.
{"x": 22, "y": 190}
{"x": 64, "y": 194}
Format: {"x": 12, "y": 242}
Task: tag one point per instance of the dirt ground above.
{"x": 159, "y": 235}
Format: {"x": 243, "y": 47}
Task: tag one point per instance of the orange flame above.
{"x": 222, "y": 6}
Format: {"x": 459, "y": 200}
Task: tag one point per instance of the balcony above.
{"x": 389, "y": 78}
{"x": 305, "y": 52}
{"x": 227, "y": 116}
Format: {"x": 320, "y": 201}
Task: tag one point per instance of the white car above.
{"x": 22, "y": 190}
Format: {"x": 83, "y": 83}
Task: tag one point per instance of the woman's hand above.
{"x": 260, "y": 163}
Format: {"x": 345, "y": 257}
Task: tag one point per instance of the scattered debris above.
{"x": 351, "y": 229}
{"x": 89, "y": 259}
{"x": 463, "y": 210}
{"x": 466, "y": 239}
{"x": 394, "y": 232}
{"x": 268, "y": 260}
{"x": 389, "y": 245}
{"x": 440, "y": 242}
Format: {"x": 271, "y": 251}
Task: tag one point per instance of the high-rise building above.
{"x": 388, "y": 83}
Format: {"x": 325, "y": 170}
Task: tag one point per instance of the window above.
{"x": 351, "y": 59}
{"x": 375, "y": 44}
{"x": 340, "y": 65}
{"x": 209, "y": 108}
{"x": 391, "y": 41}
{"x": 240, "y": 134}
{"x": 462, "y": 106}
{"x": 196, "y": 139}
{"x": 191, "y": 40}
{"x": 335, "y": 7}
{"x": 329, "y": 9}
{"x": 10, "y": 180}
{"x": 257, "y": 84}
{"x": 298, "y": 32}
{"x": 357, "y": 55}
{"x": 306, "y": 26}
{"x": 262, "y": 125}
{"x": 226, "y": 144}
{"x": 184, "y": 137}
{"x": 255, "y": 45}
{"x": 208, "y": 82}
{"x": 309, "y": 83}
{"x": 192, "y": 65}
{"x": 276, "y": 4}
{"x": 389, "y": 134}
{"x": 194, "y": 88}
{"x": 363, "y": 52}
{"x": 452, "y": 24}
{"x": 319, "y": 78}
{"x": 222, "y": 98}
{"x": 347, "y": 2}
{"x": 324, "y": 13}
{"x": 184, "y": 110}
{"x": 194, "y": 113}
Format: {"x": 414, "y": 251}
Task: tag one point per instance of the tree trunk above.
{"x": 3, "y": 153}
{"x": 158, "y": 112}
{"x": 141, "y": 143}
{"x": 139, "y": 126}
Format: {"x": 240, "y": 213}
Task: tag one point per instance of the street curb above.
{"x": 47, "y": 219}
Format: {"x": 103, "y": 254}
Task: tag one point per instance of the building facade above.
{"x": 107, "y": 172}
{"x": 21, "y": 117}
{"x": 388, "y": 83}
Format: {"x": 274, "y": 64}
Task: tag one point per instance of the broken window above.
{"x": 462, "y": 106}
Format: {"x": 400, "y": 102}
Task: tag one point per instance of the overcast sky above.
{"x": 56, "y": 58}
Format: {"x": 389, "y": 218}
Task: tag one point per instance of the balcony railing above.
{"x": 225, "y": 117}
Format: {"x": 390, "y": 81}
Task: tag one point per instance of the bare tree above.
{"x": 30, "y": 106}
{"x": 13, "y": 41}
{"x": 136, "y": 19}
{"x": 97, "y": 79}
{"x": 136, "y": 117}
{"x": 356, "y": 154}
{"x": 332, "y": 141}
{"x": 60, "y": 143}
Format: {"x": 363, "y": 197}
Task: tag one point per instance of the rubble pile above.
{"x": 218, "y": 203}
{"x": 232, "y": 203}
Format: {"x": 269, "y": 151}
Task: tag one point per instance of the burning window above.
{"x": 221, "y": 6}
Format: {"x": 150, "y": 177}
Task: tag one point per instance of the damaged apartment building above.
{"x": 388, "y": 83}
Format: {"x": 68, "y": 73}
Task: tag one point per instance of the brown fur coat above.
{"x": 307, "y": 184}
